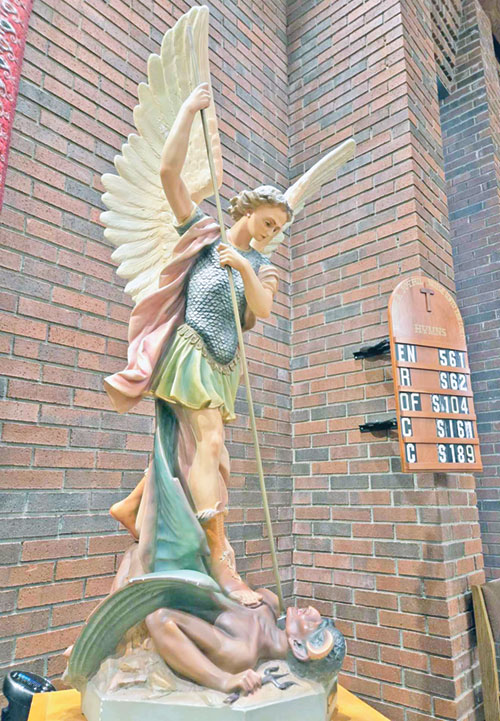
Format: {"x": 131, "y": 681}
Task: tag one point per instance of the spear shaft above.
{"x": 239, "y": 330}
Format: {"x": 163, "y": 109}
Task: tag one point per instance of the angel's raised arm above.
{"x": 175, "y": 150}
{"x": 141, "y": 213}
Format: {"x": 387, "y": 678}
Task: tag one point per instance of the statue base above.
{"x": 136, "y": 684}
{"x": 304, "y": 700}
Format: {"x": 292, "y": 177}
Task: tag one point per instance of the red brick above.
{"x": 23, "y": 623}
{"x": 19, "y": 368}
{"x": 109, "y": 544}
{"x": 27, "y": 478}
{"x": 376, "y": 599}
{"x": 92, "y": 479}
{"x": 381, "y": 634}
{"x": 70, "y": 613}
{"x": 122, "y": 460}
{"x": 47, "y": 595}
{"x": 384, "y": 672}
{"x": 43, "y": 435}
{"x": 64, "y": 458}
{"x": 16, "y": 456}
{"x": 375, "y": 565}
{"x": 14, "y": 411}
{"x": 56, "y": 665}
{"x": 353, "y": 546}
{"x": 373, "y": 530}
{"x": 406, "y": 659}
{"x": 399, "y": 585}
{"x": 354, "y": 580}
{"x": 97, "y": 566}
{"x": 37, "y": 644}
{"x": 98, "y": 586}
{"x": 39, "y": 392}
{"x": 422, "y": 642}
{"x": 64, "y": 547}
{"x": 47, "y": 311}
{"x": 403, "y": 620}
{"x": 23, "y": 327}
{"x": 361, "y": 685}
{"x": 26, "y": 574}
{"x": 76, "y": 339}
{"x": 407, "y": 698}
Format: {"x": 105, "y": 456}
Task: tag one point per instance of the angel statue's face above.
{"x": 264, "y": 222}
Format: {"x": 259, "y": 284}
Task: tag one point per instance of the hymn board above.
{"x": 435, "y": 409}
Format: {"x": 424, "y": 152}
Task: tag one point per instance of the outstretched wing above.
{"x": 188, "y": 591}
{"x": 308, "y": 184}
{"x": 139, "y": 220}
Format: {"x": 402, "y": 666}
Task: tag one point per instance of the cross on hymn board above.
{"x": 427, "y": 292}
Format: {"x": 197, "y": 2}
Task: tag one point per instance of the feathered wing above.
{"x": 139, "y": 220}
{"x": 310, "y": 183}
{"x": 189, "y": 591}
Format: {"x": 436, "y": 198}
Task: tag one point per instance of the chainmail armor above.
{"x": 209, "y": 310}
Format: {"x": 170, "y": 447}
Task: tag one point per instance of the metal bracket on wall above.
{"x": 378, "y": 425}
{"x": 369, "y": 351}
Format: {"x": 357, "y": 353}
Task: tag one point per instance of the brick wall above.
{"x": 470, "y": 118}
{"x": 67, "y": 455}
{"x": 389, "y": 555}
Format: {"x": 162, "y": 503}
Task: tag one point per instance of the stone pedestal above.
{"x": 303, "y": 701}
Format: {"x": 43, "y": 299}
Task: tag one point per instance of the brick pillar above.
{"x": 390, "y": 555}
{"x": 471, "y": 137}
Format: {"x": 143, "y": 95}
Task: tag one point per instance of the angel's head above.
{"x": 266, "y": 212}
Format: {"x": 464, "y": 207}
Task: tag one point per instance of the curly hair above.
{"x": 249, "y": 200}
{"x": 326, "y": 669}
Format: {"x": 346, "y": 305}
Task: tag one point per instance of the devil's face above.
{"x": 301, "y": 623}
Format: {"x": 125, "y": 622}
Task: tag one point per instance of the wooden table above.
{"x": 65, "y": 706}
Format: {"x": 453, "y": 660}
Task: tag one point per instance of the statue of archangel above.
{"x": 181, "y": 576}
{"x": 183, "y": 346}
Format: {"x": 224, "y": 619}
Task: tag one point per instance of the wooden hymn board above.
{"x": 435, "y": 409}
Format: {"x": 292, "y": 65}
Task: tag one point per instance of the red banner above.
{"x": 14, "y": 18}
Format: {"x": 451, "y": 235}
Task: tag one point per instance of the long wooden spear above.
{"x": 240, "y": 334}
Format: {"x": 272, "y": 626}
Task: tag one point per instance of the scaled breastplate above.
{"x": 209, "y": 308}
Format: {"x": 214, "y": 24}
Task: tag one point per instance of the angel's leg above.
{"x": 125, "y": 511}
{"x": 209, "y": 495}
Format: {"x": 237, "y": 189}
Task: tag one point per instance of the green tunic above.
{"x": 190, "y": 377}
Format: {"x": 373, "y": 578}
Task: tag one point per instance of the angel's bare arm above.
{"x": 175, "y": 150}
{"x": 259, "y": 298}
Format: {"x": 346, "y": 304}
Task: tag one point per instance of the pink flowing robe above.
{"x": 155, "y": 318}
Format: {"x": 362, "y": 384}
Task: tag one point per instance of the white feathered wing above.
{"x": 308, "y": 184}
{"x": 140, "y": 221}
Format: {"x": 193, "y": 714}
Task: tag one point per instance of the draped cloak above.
{"x": 155, "y": 318}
